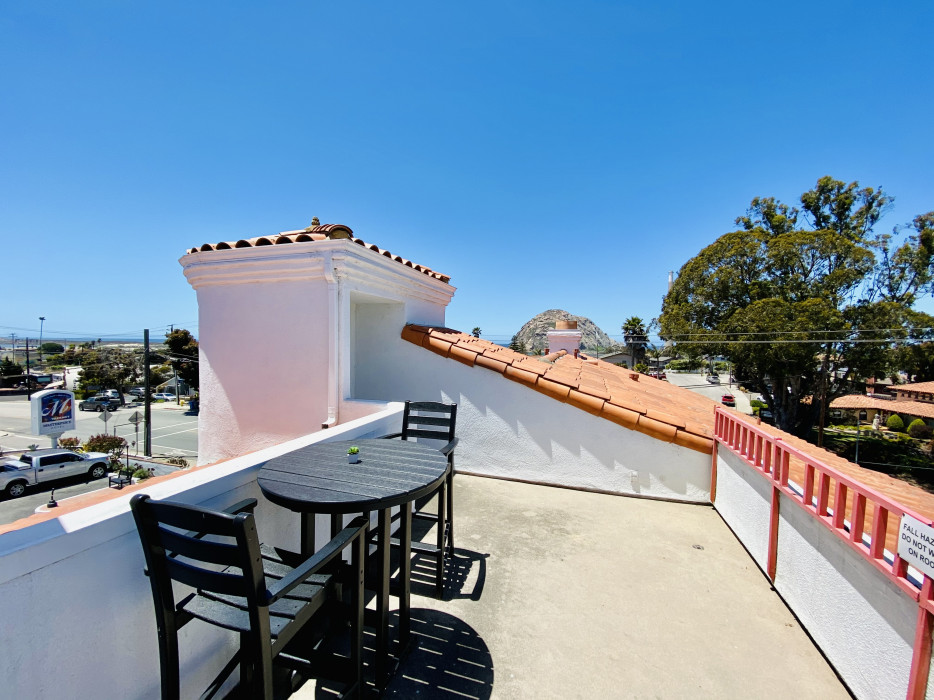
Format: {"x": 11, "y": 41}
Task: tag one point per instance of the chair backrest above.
{"x": 429, "y": 420}
{"x": 189, "y": 544}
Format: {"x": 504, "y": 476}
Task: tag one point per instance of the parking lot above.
{"x": 174, "y": 434}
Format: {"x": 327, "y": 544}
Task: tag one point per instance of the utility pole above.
{"x": 41, "y": 324}
{"x": 178, "y": 394}
{"x": 147, "y": 410}
{"x": 13, "y": 342}
{"x": 28, "y": 384}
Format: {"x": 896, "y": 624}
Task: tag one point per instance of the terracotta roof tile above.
{"x": 909, "y": 408}
{"x": 921, "y": 387}
{"x": 321, "y": 232}
{"x": 650, "y": 406}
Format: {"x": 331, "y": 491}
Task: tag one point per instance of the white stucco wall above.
{"x": 508, "y": 430}
{"x": 77, "y": 611}
{"x": 263, "y": 379}
{"x": 743, "y": 499}
{"x": 860, "y": 620}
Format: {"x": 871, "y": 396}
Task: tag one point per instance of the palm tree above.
{"x": 476, "y": 332}
{"x": 636, "y": 339}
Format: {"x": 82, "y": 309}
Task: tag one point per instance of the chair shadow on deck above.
{"x": 446, "y": 659}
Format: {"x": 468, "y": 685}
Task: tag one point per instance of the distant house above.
{"x": 179, "y": 387}
{"x": 866, "y": 407}
{"x": 920, "y": 391}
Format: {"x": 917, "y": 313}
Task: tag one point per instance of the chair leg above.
{"x": 168, "y": 656}
{"x": 451, "y": 512}
{"x": 442, "y": 527}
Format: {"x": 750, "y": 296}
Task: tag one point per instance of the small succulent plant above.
{"x": 353, "y": 450}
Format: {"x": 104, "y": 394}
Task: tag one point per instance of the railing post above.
{"x": 921, "y": 652}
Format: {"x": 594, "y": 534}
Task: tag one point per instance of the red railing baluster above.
{"x": 839, "y": 505}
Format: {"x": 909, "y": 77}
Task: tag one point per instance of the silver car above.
{"x": 39, "y": 466}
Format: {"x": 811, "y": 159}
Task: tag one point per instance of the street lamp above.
{"x": 41, "y": 323}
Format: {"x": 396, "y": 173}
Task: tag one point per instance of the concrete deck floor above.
{"x": 567, "y": 594}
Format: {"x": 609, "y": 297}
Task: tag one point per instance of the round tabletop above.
{"x": 318, "y": 478}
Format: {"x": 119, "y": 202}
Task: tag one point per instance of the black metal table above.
{"x": 318, "y": 479}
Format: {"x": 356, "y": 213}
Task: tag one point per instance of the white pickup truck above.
{"x": 40, "y": 466}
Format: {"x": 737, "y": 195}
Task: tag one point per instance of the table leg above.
{"x": 337, "y": 524}
{"x": 308, "y": 535}
{"x": 405, "y": 575}
{"x": 382, "y": 600}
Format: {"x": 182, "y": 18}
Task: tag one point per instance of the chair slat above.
{"x": 193, "y": 518}
{"x": 206, "y": 580}
{"x": 430, "y": 406}
{"x": 429, "y": 420}
{"x": 428, "y": 435}
{"x": 202, "y": 550}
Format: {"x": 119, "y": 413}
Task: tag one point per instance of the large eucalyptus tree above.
{"x": 805, "y": 301}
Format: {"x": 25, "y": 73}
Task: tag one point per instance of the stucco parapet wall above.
{"x": 633, "y": 401}
{"x": 319, "y": 260}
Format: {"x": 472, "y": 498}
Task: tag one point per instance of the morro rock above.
{"x": 534, "y": 333}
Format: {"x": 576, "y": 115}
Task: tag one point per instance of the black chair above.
{"x": 434, "y": 421}
{"x": 120, "y": 478}
{"x": 240, "y": 586}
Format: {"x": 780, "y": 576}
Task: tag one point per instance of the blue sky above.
{"x": 543, "y": 154}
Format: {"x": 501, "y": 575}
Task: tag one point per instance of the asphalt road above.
{"x": 696, "y": 382}
{"x": 174, "y": 433}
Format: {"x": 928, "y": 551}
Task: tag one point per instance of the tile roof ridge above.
{"x": 317, "y": 232}
{"x": 652, "y": 407}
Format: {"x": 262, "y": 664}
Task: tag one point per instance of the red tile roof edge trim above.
{"x": 563, "y": 384}
{"x": 316, "y": 233}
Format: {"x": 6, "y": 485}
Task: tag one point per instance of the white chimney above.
{"x": 564, "y": 336}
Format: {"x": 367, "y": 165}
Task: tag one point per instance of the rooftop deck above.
{"x": 563, "y": 594}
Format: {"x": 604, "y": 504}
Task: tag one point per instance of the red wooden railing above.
{"x": 860, "y": 516}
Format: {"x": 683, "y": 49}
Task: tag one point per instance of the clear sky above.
{"x": 543, "y": 154}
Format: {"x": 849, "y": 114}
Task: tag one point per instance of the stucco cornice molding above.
{"x": 342, "y": 260}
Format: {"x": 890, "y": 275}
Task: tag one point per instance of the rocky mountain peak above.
{"x": 534, "y": 334}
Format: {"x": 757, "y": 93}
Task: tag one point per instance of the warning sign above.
{"x": 916, "y": 544}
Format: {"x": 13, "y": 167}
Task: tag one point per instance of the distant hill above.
{"x": 534, "y": 334}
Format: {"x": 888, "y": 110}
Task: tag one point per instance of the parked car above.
{"x": 99, "y": 403}
{"x": 40, "y": 466}
{"x": 766, "y": 416}
{"x": 138, "y": 391}
{"x": 728, "y": 400}
{"x": 114, "y": 394}
{"x": 713, "y": 378}
{"x": 164, "y": 397}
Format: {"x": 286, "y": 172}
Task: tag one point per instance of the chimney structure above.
{"x": 298, "y": 331}
{"x": 565, "y": 336}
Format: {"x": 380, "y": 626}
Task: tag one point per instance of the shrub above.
{"x": 756, "y": 403}
{"x": 919, "y": 429}
{"x": 141, "y": 474}
{"x": 177, "y": 461}
{"x": 895, "y": 423}
{"x": 641, "y": 367}
{"x": 69, "y": 443}
{"x": 105, "y": 443}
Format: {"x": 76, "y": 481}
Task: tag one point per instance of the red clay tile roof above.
{"x": 909, "y": 408}
{"x": 925, "y": 387}
{"x": 635, "y": 401}
{"x": 317, "y": 233}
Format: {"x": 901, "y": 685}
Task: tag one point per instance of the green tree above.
{"x": 517, "y": 345}
{"x": 8, "y": 368}
{"x": 805, "y": 309}
{"x": 108, "y": 368}
{"x": 636, "y": 339}
{"x": 52, "y": 348}
{"x": 476, "y": 332}
{"x": 183, "y": 355}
